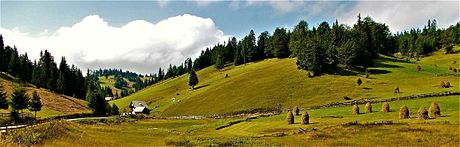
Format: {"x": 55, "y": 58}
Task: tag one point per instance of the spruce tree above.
{"x": 35, "y": 104}
{"x": 19, "y": 99}
{"x": 193, "y": 79}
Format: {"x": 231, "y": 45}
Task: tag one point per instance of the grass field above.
{"x": 110, "y": 81}
{"x": 329, "y": 126}
{"x": 53, "y": 104}
{"x": 272, "y": 83}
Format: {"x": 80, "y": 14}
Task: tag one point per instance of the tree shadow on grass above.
{"x": 384, "y": 65}
{"x": 378, "y": 71}
{"x": 392, "y": 59}
{"x": 343, "y": 72}
{"x": 201, "y": 86}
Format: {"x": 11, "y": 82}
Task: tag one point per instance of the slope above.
{"x": 53, "y": 104}
{"x": 277, "y": 83}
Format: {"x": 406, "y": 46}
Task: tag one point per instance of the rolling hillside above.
{"x": 277, "y": 83}
{"x": 53, "y": 104}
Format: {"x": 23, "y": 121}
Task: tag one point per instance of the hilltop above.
{"x": 53, "y": 104}
{"x": 278, "y": 84}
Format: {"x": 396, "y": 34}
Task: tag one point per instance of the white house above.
{"x": 138, "y": 107}
{"x": 108, "y": 98}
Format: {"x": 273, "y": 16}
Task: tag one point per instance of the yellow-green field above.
{"x": 53, "y": 104}
{"x": 329, "y": 126}
{"x": 272, "y": 83}
{"x": 110, "y": 81}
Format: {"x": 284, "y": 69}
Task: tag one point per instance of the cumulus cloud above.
{"x": 402, "y": 15}
{"x": 138, "y": 46}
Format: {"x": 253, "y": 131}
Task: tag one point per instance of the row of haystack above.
{"x": 433, "y": 112}
{"x": 368, "y": 108}
{"x": 290, "y": 116}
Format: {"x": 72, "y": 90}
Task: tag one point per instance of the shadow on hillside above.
{"x": 345, "y": 72}
{"x": 378, "y": 71}
{"x": 196, "y": 88}
{"x": 393, "y": 59}
{"x": 384, "y": 65}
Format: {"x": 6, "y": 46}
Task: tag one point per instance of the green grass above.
{"x": 328, "y": 131}
{"x": 272, "y": 83}
{"x": 53, "y": 104}
{"x": 110, "y": 81}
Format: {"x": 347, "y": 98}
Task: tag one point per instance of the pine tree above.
{"x": 19, "y": 99}
{"x": 300, "y": 32}
{"x": 279, "y": 42}
{"x": 35, "y": 104}
{"x": 220, "y": 61}
{"x": 193, "y": 79}
{"x": 13, "y": 64}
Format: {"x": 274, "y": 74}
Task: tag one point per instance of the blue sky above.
{"x": 36, "y": 16}
{"x": 134, "y": 35}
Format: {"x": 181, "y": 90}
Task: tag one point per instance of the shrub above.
{"x": 346, "y": 98}
{"x": 455, "y": 70}
{"x": 368, "y": 107}
{"x": 450, "y": 67}
{"x": 290, "y": 118}
{"x": 454, "y": 62}
{"x": 422, "y": 113}
{"x": 442, "y": 85}
{"x": 359, "y": 82}
{"x": 396, "y": 89}
{"x": 385, "y": 107}
{"x": 404, "y": 112}
{"x": 305, "y": 118}
{"x": 418, "y": 68}
{"x": 355, "y": 109}
{"x": 296, "y": 110}
{"x": 449, "y": 49}
{"x": 447, "y": 84}
{"x": 434, "y": 110}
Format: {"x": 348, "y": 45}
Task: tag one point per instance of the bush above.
{"x": 368, "y": 107}
{"x": 346, "y": 98}
{"x": 447, "y": 85}
{"x": 450, "y": 67}
{"x": 396, "y": 89}
{"x": 418, "y": 68}
{"x": 305, "y": 118}
{"x": 290, "y": 118}
{"x": 434, "y": 110}
{"x": 296, "y": 110}
{"x": 455, "y": 70}
{"x": 355, "y": 109}
{"x": 385, "y": 107}
{"x": 422, "y": 113}
{"x": 449, "y": 49}
{"x": 359, "y": 82}
{"x": 442, "y": 85}
{"x": 404, "y": 112}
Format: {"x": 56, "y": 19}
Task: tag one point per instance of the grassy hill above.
{"x": 53, "y": 104}
{"x": 110, "y": 81}
{"x": 275, "y": 83}
{"x": 335, "y": 126}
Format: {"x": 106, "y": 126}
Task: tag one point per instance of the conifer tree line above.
{"x": 325, "y": 48}
{"x": 43, "y": 73}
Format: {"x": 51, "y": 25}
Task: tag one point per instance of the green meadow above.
{"x": 329, "y": 126}
{"x": 278, "y": 84}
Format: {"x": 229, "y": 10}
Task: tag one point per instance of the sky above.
{"x": 145, "y": 35}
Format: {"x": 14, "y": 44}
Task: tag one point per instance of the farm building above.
{"x": 138, "y": 107}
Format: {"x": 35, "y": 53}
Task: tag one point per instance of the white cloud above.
{"x": 163, "y": 3}
{"x": 401, "y": 15}
{"x": 138, "y": 46}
